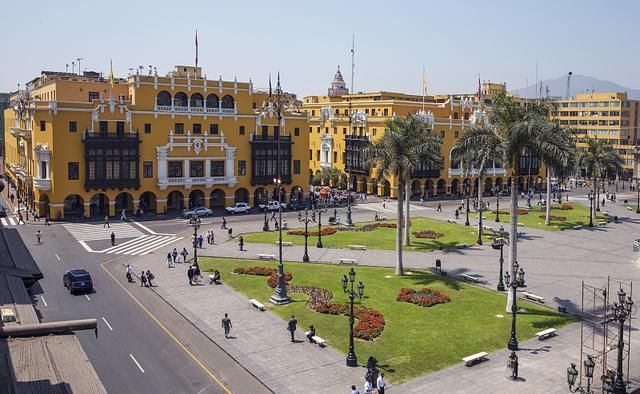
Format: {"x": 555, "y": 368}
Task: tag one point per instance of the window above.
{"x": 147, "y": 128}
{"x": 374, "y": 131}
{"x": 147, "y": 169}
{"x": 442, "y": 133}
{"x": 213, "y": 128}
{"x": 73, "y": 126}
{"x": 241, "y": 130}
{"x": 318, "y": 130}
{"x": 296, "y": 131}
{"x": 456, "y": 134}
{"x": 94, "y": 96}
{"x": 43, "y": 125}
{"x": 344, "y": 130}
{"x": 265, "y": 132}
{"x": 217, "y": 168}
{"x": 335, "y": 130}
{"x": 296, "y": 166}
{"x": 175, "y": 169}
{"x": 103, "y": 127}
{"x": 335, "y": 157}
{"x": 455, "y": 115}
{"x": 318, "y": 155}
{"x": 197, "y": 128}
{"x": 120, "y": 128}
{"x": 242, "y": 167}
{"x": 385, "y": 112}
{"x": 73, "y": 171}
{"x": 179, "y": 128}
{"x": 310, "y": 154}
{"x": 44, "y": 174}
{"x": 196, "y": 168}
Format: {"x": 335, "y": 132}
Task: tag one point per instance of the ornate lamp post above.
{"x": 306, "y": 221}
{"x": 572, "y": 375}
{"x": 497, "y": 205}
{"x": 590, "y": 209}
{"x": 638, "y": 196}
{"x": 514, "y": 283}
{"x": 195, "y": 223}
{"x": 498, "y": 243}
{"x": 467, "y": 189}
{"x": 319, "y": 211}
{"x": 352, "y": 360}
{"x": 621, "y": 312}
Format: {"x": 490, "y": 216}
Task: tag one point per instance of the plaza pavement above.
{"x": 555, "y": 263}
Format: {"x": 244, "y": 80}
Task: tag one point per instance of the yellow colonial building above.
{"x": 611, "y": 117}
{"x": 85, "y": 145}
{"x": 341, "y": 125}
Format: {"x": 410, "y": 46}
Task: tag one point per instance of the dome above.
{"x": 338, "y": 87}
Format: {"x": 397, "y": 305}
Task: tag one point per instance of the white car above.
{"x": 272, "y": 206}
{"x": 239, "y": 207}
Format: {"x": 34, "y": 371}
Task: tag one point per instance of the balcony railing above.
{"x": 474, "y": 172}
{"x": 197, "y": 110}
{"x": 188, "y": 181}
{"x": 42, "y": 184}
{"x": 96, "y": 135}
{"x": 21, "y": 132}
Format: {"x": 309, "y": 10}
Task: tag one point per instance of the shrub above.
{"x": 272, "y": 274}
{"x": 424, "y": 297}
{"x": 520, "y": 212}
{"x": 562, "y": 207}
{"x": 427, "y": 234}
{"x": 553, "y": 218}
{"x": 325, "y": 231}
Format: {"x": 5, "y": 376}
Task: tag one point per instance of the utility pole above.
{"x": 353, "y": 64}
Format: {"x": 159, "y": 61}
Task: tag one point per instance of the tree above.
{"x": 514, "y": 132}
{"x": 597, "y": 158}
{"x": 406, "y": 142}
{"x": 558, "y": 165}
{"x": 328, "y": 174}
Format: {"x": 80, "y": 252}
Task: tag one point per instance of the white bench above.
{"x": 451, "y": 221}
{"x": 475, "y": 358}
{"x": 462, "y": 246}
{"x": 285, "y": 243}
{"x": 317, "y": 340}
{"x": 629, "y": 208}
{"x": 549, "y": 332}
{"x": 259, "y": 305}
{"x": 347, "y": 261}
{"x": 470, "y": 278}
{"x": 577, "y": 227}
{"x": 266, "y": 257}
{"x": 357, "y": 247}
{"x": 602, "y": 223}
{"x": 533, "y": 297}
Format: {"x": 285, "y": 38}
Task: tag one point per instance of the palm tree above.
{"x": 558, "y": 165}
{"x": 597, "y": 158}
{"x": 516, "y": 132}
{"x": 406, "y": 142}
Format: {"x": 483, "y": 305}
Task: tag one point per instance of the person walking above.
{"x": 213, "y": 238}
{"x": 368, "y": 388}
{"x": 129, "y": 274}
{"x": 20, "y": 219}
{"x": 190, "y": 276}
{"x": 123, "y": 215}
{"x": 200, "y": 241}
{"x": 184, "y": 255}
{"x": 439, "y": 207}
{"x": 106, "y": 222}
{"x": 230, "y": 232}
{"x": 291, "y": 326}
{"x": 143, "y": 279}
{"x": 354, "y": 390}
{"x": 174, "y": 254}
{"x": 512, "y": 363}
{"x": 150, "y": 277}
{"x": 169, "y": 260}
{"x": 241, "y": 243}
{"x": 208, "y": 237}
{"x": 380, "y": 383}
{"x": 224, "y": 223}
{"x": 113, "y": 238}
{"x": 38, "y": 235}
{"x": 226, "y": 324}
{"x": 46, "y": 220}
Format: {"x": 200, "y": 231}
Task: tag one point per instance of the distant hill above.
{"x": 579, "y": 84}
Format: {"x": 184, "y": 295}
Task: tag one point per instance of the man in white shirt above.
{"x": 380, "y": 383}
{"x": 368, "y": 389}
{"x": 354, "y": 390}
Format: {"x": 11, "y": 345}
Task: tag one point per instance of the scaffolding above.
{"x": 599, "y": 331}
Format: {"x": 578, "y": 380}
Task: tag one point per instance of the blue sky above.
{"x": 305, "y": 41}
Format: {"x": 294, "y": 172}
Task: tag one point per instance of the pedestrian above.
{"x": 123, "y": 215}
{"x": 20, "y": 219}
{"x": 311, "y": 333}
{"x": 208, "y": 237}
{"x": 150, "y": 277}
{"x": 384, "y": 204}
{"x": 38, "y": 234}
{"x": 224, "y": 223}
{"x": 169, "y": 260}
{"x": 46, "y": 220}
{"x": 213, "y": 238}
{"x": 200, "y": 240}
{"x": 273, "y": 216}
{"x": 129, "y": 274}
{"x": 439, "y": 207}
{"x": 143, "y": 279}
{"x": 603, "y": 202}
{"x": 113, "y": 238}
{"x": 190, "y": 276}
{"x": 354, "y": 390}
{"x": 291, "y": 326}
{"x": 36, "y": 217}
{"x": 421, "y": 201}
{"x": 12, "y": 198}
{"x": 106, "y": 222}
{"x": 368, "y": 388}
{"x": 184, "y": 255}
{"x": 226, "y": 324}
{"x": 457, "y": 213}
{"x": 174, "y": 254}
{"x": 380, "y": 383}
{"x": 512, "y": 362}
{"x": 230, "y": 232}
{"x": 241, "y": 243}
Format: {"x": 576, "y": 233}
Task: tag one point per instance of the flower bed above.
{"x": 370, "y": 321}
{"x": 520, "y": 212}
{"x": 563, "y": 207}
{"x": 424, "y": 297}
{"x": 272, "y": 274}
{"x": 427, "y": 234}
{"x": 325, "y": 231}
{"x": 553, "y": 218}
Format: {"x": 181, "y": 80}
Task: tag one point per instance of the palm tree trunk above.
{"x": 407, "y": 234}
{"x": 513, "y": 239}
{"x": 480, "y": 204}
{"x": 399, "y": 268}
{"x": 547, "y": 219}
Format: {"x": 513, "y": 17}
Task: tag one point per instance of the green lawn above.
{"x": 579, "y": 215}
{"x": 381, "y": 238}
{"x": 416, "y": 340}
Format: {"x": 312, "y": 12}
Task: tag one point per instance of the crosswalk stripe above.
{"x": 155, "y": 244}
{"x": 11, "y": 222}
{"x": 95, "y": 232}
{"x": 168, "y": 241}
{"x": 4, "y": 221}
{"x": 126, "y": 244}
{"x": 134, "y": 245}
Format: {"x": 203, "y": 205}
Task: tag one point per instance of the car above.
{"x": 272, "y": 206}
{"x": 197, "y": 212}
{"x": 239, "y": 207}
{"x": 3, "y": 211}
{"x": 78, "y": 281}
{"x": 300, "y": 205}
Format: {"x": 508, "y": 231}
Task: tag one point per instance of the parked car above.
{"x": 272, "y": 206}
{"x": 239, "y": 207}
{"x": 77, "y": 281}
{"x": 300, "y": 205}
{"x": 3, "y": 211}
{"x": 197, "y": 212}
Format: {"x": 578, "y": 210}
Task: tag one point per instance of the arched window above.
{"x": 164, "y": 98}
{"x": 212, "y": 101}
{"x": 197, "y": 100}
{"x": 227, "y": 102}
{"x": 180, "y": 100}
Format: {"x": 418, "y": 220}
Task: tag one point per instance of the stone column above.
{"x": 87, "y": 209}
{"x": 161, "y": 205}
{"x": 112, "y": 208}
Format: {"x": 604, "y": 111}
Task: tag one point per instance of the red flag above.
{"x": 196, "y": 47}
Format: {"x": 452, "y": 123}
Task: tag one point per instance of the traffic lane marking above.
{"x": 136, "y": 361}
{"x": 87, "y": 297}
{"x": 43, "y": 301}
{"x": 166, "y": 330}
{"x": 107, "y": 323}
{"x": 58, "y": 257}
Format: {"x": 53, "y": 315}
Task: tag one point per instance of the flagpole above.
{"x": 196, "y": 47}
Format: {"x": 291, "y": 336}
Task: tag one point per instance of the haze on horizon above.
{"x": 500, "y": 40}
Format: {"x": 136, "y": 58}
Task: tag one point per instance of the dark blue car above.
{"x": 78, "y": 281}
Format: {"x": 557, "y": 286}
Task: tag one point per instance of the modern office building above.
{"x": 87, "y": 145}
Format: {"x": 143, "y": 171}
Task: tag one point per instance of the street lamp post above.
{"x": 621, "y": 312}
{"x": 306, "y": 221}
{"x": 572, "y": 375}
{"x": 514, "y": 283}
{"x": 638, "y": 196}
{"x": 498, "y": 207}
{"x": 195, "y": 222}
{"x": 590, "y": 209}
{"x": 466, "y": 223}
{"x": 352, "y": 360}
{"x": 320, "y": 211}
{"x": 498, "y": 243}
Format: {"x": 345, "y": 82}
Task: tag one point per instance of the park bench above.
{"x": 605, "y": 213}
{"x": 578, "y": 227}
{"x": 462, "y": 246}
{"x": 257, "y": 304}
{"x": 629, "y": 208}
{"x": 533, "y": 297}
{"x": 451, "y": 221}
{"x": 285, "y": 243}
{"x": 347, "y": 261}
{"x": 266, "y": 256}
{"x": 475, "y": 358}
{"x": 357, "y": 247}
{"x": 470, "y": 278}
{"x": 317, "y": 340}
{"x": 549, "y": 332}
{"x": 602, "y": 223}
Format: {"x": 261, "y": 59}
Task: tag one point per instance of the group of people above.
{"x": 193, "y": 273}
{"x": 146, "y": 278}
{"x": 172, "y": 257}
{"x": 368, "y": 386}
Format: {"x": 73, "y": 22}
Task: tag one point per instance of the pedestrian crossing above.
{"x": 97, "y": 231}
{"x": 9, "y": 221}
{"x": 141, "y": 246}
